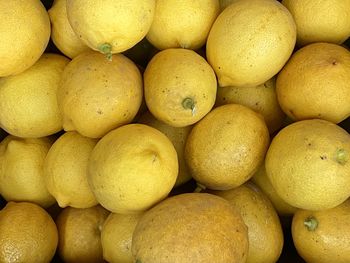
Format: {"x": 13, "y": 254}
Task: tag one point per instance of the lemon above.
{"x": 308, "y": 164}
{"x": 62, "y": 33}
{"x": 260, "y": 179}
{"x": 79, "y": 232}
{"x": 180, "y": 87}
{"x": 264, "y": 228}
{"x": 65, "y": 170}
{"x": 21, "y": 170}
{"x": 132, "y": 168}
{"x": 25, "y": 33}
{"x": 182, "y": 23}
{"x": 98, "y": 95}
{"x": 320, "y": 21}
{"x": 226, "y": 147}
{"x": 116, "y": 237}
{"x": 191, "y": 227}
{"x": 28, "y": 234}
{"x": 108, "y": 26}
{"x": 178, "y": 136}
{"x": 250, "y": 41}
{"x": 261, "y": 98}
{"x": 322, "y": 236}
{"x": 315, "y": 83}
{"x": 28, "y": 101}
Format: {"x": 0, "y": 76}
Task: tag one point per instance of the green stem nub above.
{"x": 106, "y": 49}
{"x": 311, "y": 223}
{"x": 199, "y": 188}
{"x": 189, "y": 104}
{"x": 341, "y": 156}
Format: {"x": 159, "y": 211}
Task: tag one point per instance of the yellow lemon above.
{"x": 264, "y": 228}
{"x": 28, "y": 234}
{"x": 320, "y": 21}
{"x": 308, "y": 164}
{"x": 65, "y": 170}
{"x": 226, "y": 147}
{"x": 116, "y": 237}
{"x": 250, "y": 42}
{"x": 191, "y": 227}
{"x": 315, "y": 83}
{"x": 132, "y": 168}
{"x": 28, "y": 101}
{"x": 178, "y": 136}
{"x": 260, "y": 179}
{"x": 79, "y": 232}
{"x": 182, "y": 23}
{"x": 98, "y": 95}
{"x": 62, "y": 33}
{"x": 180, "y": 87}
{"x": 21, "y": 170}
{"x": 261, "y": 98}
{"x": 109, "y": 26}
{"x": 25, "y": 33}
{"x": 323, "y": 236}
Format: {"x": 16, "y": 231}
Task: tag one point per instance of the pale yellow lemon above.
{"x": 98, "y": 95}
{"x": 261, "y": 98}
{"x": 62, "y": 33}
{"x": 116, "y": 237}
{"x": 21, "y": 170}
{"x": 180, "y": 87}
{"x": 315, "y": 83}
{"x": 25, "y": 33}
{"x": 226, "y": 147}
{"x": 250, "y": 41}
{"x": 65, "y": 170}
{"x": 132, "y": 168}
{"x": 320, "y": 20}
{"x": 182, "y": 23}
{"x": 308, "y": 164}
{"x": 178, "y": 136}
{"x": 28, "y": 101}
{"x": 28, "y": 234}
{"x": 79, "y": 232}
{"x": 109, "y": 26}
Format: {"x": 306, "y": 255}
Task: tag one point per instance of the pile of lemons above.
{"x": 174, "y": 131}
